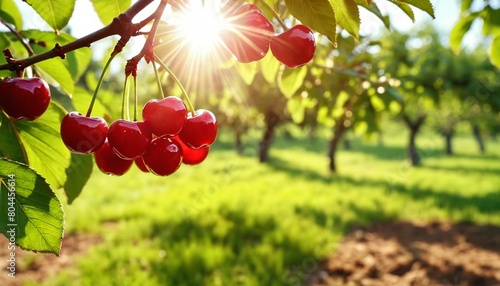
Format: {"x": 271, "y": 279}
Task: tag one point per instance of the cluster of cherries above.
{"x": 168, "y": 136}
{"x": 252, "y": 34}
{"x": 24, "y": 98}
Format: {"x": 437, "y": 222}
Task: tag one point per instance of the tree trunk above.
{"x": 413, "y": 154}
{"x": 479, "y": 139}
{"x": 238, "y": 141}
{"x": 347, "y": 143}
{"x": 338, "y": 130}
{"x": 271, "y": 120}
{"x": 448, "y": 136}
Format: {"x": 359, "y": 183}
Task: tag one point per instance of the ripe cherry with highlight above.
{"x": 24, "y": 98}
{"x": 249, "y": 35}
{"x": 165, "y": 116}
{"x": 295, "y": 47}
{"x": 109, "y": 163}
{"x": 164, "y": 156}
{"x": 129, "y": 139}
{"x": 200, "y": 130}
{"x": 81, "y": 134}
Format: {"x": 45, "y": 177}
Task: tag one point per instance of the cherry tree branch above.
{"x": 121, "y": 25}
{"x": 147, "y": 51}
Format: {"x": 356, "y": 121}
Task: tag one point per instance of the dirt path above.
{"x": 39, "y": 266}
{"x": 416, "y": 254}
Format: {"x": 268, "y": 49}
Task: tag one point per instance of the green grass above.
{"x": 233, "y": 221}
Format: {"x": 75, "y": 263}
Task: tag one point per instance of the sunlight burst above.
{"x": 200, "y": 26}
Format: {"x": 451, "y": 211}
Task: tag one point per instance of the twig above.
{"x": 18, "y": 36}
{"x": 121, "y": 25}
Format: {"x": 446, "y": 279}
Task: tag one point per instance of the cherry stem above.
{"x": 124, "y": 98}
{"x": 89, "y": 111}
{"x": 147, "y": 50}
{"x": 135, "y": 98}
{"x": 158, "y": 80}
{"x": 184, "y": 92}
{"x": 275, "y": 14}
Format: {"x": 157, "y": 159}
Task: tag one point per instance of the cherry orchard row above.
{"x": 251, "y": 35}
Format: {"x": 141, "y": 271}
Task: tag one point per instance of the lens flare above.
{"x": 199, "y": 25}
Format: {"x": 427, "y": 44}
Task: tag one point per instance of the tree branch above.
{"x": 121, "y": 25}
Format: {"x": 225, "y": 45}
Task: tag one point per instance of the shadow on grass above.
{"x": 465, "y": 170}
{"x": 234, "y": 248}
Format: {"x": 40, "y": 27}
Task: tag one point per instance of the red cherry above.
{"x": 164, "y": 156}
{"x": 109, "y": 163}
{"x": 165, "y": 116}
{"x": 295, "y": 47}
{"x": 192, "y": 156}
{"x": 24, "y": 97}
{"x": 248, "y": 38}
{"x": 81, "y": 134}
{"x": 139, "y": 162}
{"x": 129, "y": 139}
{"x": 199, "y": 130}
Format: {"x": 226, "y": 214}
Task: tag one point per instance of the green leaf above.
{"x": 405, "y": 8}
{"x": 347, "y": 16}
{"x": 424, "y": 5}
{"x": 466, "y": 5}
{"x": 495, "y": 51}
{"x": 10, "y": 145}
{"x": 37, "y": 216}
{"x": 296, "y": 109}
{"x": 10, "y": 13}
{"x": 107, "y": 10}
{"x": 457, "y": 33}
{"x": 77, "y": 174}
{"x": 269, "y": 67}
{"x": 247, "y": 71}
{"x": 317, "y": 14}
{"x": 42, "y": 141}
{"x": 81, "y": 101}
{"x": 56, "y": 73}
{"x": 394, "y": 93}
{"x": 55, "y": 12}
{"x": 77, "y": 62}
{"x": 291, "y": 80}
{"x": 491, "y": 19}
{"x": 373, "y": 8}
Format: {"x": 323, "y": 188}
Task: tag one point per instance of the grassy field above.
{"x": 233, "y": 221}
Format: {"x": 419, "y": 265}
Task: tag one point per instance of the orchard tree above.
{"x": 47, "y": 150}
{"x": 485, "y": 11}
{"x": 419, "y": 71}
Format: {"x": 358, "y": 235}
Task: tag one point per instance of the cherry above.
{"x": 129, "y": 139}
{"x": 192, "y": 156}
{"x": 294, "y": 47}
{"x": 164, "y": 156}
{"x": 109, "y": 163}
{"x": 139, "y": 162}
{"x": 81, "y": 134}
{"x": 24, "y": 97}
{"x": 248, "y": 38}
{"x": 199, "y": 130}
{"x": 165, "y": 116}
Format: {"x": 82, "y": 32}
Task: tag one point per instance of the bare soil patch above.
{"x": 416, "y": 254}
{"x": 39, "y": 266}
